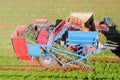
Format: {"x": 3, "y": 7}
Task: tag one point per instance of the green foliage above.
{"x": 109, "y": 71}
{"x": 105, "y": 53}
{"x": 30, "y": 33}
{"x": 64, "y": 49}
{"x": 31, "y": 38}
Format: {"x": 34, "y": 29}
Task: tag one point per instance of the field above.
{"x": 23, "y": 12}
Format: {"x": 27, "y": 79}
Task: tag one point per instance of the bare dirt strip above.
{"x": 36, "y": 66}
{"x": 41, "y": 68}
{"x": 104, "y": 59}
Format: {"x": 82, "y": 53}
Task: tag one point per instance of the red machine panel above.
{"x": 20, "y": 48}
{"x": 20, "y": 44}
{"x": 43, "y": 37}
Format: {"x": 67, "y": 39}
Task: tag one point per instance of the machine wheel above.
{"x": 48, "y": 61}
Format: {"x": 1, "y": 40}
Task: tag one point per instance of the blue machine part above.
{"x": 82, "y": 38}
{"x": 34, "y": 49}
{"x": 50, "y": 39}
{"x": 60, "y": 34}
{"x": 74, "y": 38}
{"x": 78, "y": 57}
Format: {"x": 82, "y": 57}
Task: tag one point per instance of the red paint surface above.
{"x": 90, "y": 48}
{"x": 62, "y": 26}
{"x": 41, "y": 20}
{"x": 59, "y": 30}
{"x": 43, "y": 37}
{"x": 99, "y": 27}
{"x": 73, "y": 48}
{"x": 20, "y": 44}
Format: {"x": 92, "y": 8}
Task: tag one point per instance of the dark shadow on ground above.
{"x": 113, "y": 36}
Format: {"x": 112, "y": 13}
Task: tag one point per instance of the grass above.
{"x": 23, "y": 12}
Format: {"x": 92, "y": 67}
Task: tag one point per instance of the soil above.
{"x": 42, "y": 68}
{"x": 105, "y": 59}
{"x": 35, "y": 65}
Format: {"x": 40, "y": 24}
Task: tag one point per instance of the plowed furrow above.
{"x": 105, "y": 59}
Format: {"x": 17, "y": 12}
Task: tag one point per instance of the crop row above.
{"x": 103, "y": 70}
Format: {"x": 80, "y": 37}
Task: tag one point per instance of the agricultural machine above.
{"x": 69, "y": 42}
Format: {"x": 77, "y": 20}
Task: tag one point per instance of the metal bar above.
{"x": 83, "y": 40}
{"x": 112, "y": 42}
{"x": 66, "y": 52}
{"x": 60, "y": 34}
{"x": 115, "y": 45}
{"x": 60, "y": 24}
{"x": 57, "y": 60}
